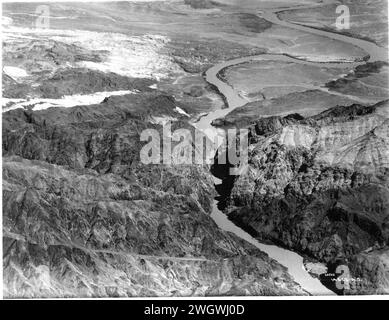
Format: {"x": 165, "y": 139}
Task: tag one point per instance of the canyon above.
{"x": 84, "y": 217}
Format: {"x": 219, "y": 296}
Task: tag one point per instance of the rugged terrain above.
{"x": 84, "y": 217}
{"x": 319, "y": 185}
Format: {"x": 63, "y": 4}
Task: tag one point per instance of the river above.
{"x": 291, "y": 260}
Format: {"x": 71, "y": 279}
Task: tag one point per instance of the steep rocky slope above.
{"x": 84, "y": 217}
{"x": 319, "y": 185}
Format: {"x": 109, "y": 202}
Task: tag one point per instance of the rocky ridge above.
{"x": 319, "y": 186}
{"x": 83, "y": 217}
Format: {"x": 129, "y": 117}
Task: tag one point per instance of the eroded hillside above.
{"x": 319, "y": 185}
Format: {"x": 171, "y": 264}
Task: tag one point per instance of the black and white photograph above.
{"x": 207, "y": 149}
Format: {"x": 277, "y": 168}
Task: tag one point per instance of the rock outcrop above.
{"x": 319, "y": 186}
{"x": 83, "y": 217}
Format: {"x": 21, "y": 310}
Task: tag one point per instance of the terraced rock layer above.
{"x": 83, "y": 217}
{"x": 319, "y": 186}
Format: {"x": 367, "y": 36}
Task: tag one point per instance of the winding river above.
{"x": 289, "y": 259}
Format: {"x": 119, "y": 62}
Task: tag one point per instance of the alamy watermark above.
{"x": 186, "y": 147}
{"x": 43, "y": 17}
{"x": 344, "y": 280}
{"x": 343, "y": 20}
